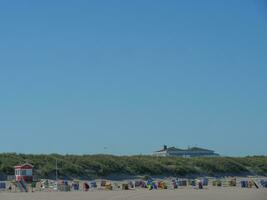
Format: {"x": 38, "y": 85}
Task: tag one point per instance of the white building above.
{"x": 190, "y": 152}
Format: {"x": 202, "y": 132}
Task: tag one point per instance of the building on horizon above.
{"x": 187, "y": 153}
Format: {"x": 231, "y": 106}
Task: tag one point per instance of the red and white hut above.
{"x": 24, "y": 172}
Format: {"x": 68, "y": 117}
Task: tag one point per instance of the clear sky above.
{"x": 126, "y": 77}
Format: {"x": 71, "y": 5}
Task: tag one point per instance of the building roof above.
{"x": 26, "y": 165}
{"x": 188, "y": 149}
{"x": 198, "y": 149}
{"x": 170, "y": 149}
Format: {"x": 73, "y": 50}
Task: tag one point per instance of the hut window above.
{"x": 28, "y": 172}
{"x": 23, "y": 172}
{"x": 17, "y": 172}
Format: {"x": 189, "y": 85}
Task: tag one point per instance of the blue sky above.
{"x": 126, "y": 77}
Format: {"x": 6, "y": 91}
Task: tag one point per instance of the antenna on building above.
{"x": 165, "y": 147}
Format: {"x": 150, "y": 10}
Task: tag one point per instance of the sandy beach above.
{"x": 183, "y": 194}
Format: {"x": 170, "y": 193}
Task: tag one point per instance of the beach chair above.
{"x": 131, "y": 185}
{"x": 140, "y": 183}
{"x": 86, "y": 187}
{"x": 108, "y": 186}
{"x": 200, "y": 185}
{"x": 174, "y": 184}
{"x": 205, "y": 182}
{"x": 93, "y": 184}
{"x": 103, "y": 184}
{"x": 162, "y": 185}
{"x": 264, "y": 183}
{"x": 244, "y": 184}
{"x": 125, "y": 186}
{"x": 232, "y": 182}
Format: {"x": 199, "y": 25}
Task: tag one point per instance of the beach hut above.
{"x": 24, "y": 172}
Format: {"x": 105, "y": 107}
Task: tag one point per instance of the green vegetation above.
{"x": 96, "y": 166}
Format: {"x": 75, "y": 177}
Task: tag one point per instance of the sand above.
{"x": 182, "y": 194}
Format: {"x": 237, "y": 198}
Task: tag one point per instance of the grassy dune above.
{"x": 96, "y": 166}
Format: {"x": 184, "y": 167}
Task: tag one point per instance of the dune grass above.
{"x": 96, "y": 166}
